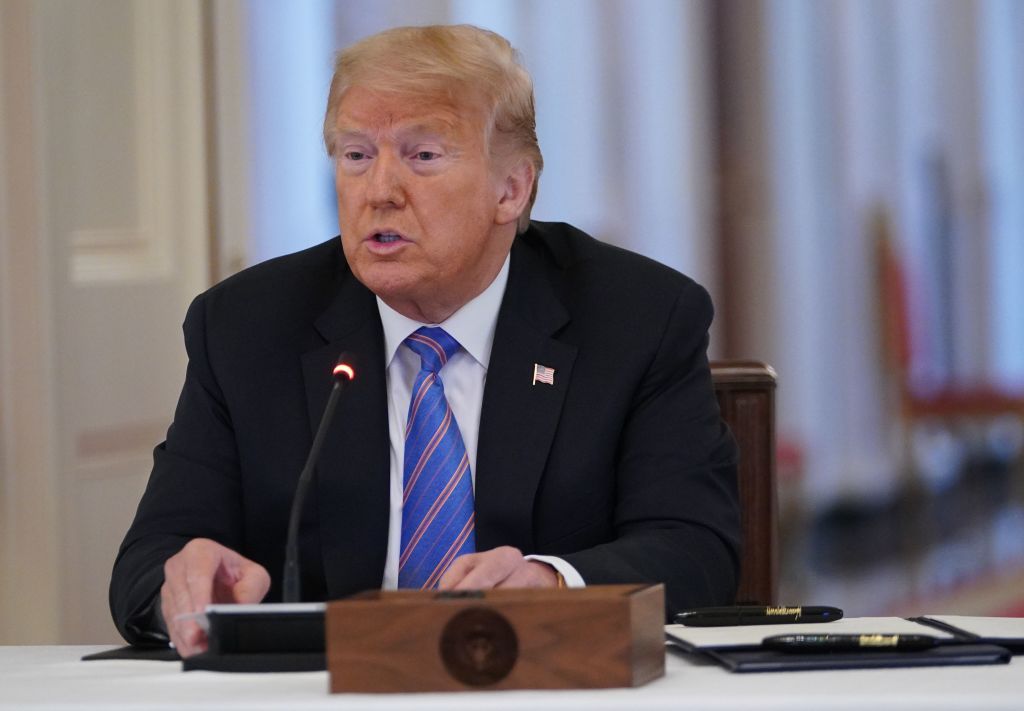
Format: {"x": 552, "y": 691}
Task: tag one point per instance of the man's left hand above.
{"x": 502, "y": 567}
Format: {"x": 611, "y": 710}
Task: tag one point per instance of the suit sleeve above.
{"x": 193, "y": 492}
{"x": 676, "y": 516}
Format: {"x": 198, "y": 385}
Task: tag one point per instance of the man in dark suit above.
{"x": 575, "y": 434}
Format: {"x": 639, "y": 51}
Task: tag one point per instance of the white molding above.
{"x": 117, "y": 256}
{"x": 164, "y": 114}
{"x": 192, "y": 229}
{"x": 230, "y": 77}
{"x": 140, "y": 252}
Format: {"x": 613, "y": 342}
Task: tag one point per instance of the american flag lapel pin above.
{"x": 543, "y": 374}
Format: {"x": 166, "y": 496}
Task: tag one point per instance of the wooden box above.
{"x": 411, "y": 640}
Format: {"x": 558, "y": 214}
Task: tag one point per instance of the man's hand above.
{"x": 201, "y": 573}
{"x": 502, "y": 567}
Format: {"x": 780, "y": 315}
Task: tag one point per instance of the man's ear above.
{"x": 514, "y": 191}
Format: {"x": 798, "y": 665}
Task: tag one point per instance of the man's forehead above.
{"x": 362, "y": 110}
{"x": 399, "y": 123}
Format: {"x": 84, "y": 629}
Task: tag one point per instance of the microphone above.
{"x": 343, "y": 373}
{"x": 286, "y": 636}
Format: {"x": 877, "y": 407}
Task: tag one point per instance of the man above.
{"x": 530, "y": 407}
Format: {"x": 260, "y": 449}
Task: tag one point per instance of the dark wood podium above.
{"x": 408, "y": 641}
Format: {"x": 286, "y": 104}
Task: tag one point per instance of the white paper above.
{"x": 267, "y": 608}
{"x": 741, "y": 635}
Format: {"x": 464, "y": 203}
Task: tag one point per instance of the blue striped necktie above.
{"x": 437, "y": 497}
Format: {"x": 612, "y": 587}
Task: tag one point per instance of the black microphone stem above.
{"x": 290, "y": 581}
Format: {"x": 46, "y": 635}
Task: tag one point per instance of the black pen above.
{"x": 801, "y": 643}
{"x": 756, "y": 615}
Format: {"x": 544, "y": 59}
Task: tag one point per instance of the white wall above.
{"x": 105, "y": 241}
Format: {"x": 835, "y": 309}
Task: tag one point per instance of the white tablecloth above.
{"x": 54, "y": 678}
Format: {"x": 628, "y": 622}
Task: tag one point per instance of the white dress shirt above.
{"x": 463, "y": 376}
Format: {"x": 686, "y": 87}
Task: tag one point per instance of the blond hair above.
{"x": 450, "y": 61}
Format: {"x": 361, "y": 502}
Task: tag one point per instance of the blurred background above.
{"x": 845, "y": 176}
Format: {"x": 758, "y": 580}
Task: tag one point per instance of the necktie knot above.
{"x": 434, "y": 346}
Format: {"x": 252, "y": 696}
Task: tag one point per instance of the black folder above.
{"x": 249, "y": 638}
{"x": 263, "y": 638}
{"x": 957, "y": 645}
{"x": 758, "y": 659}
{"x": 1014, "y": 643}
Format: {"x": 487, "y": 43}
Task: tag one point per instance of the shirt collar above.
{"x": 472, "y": 326}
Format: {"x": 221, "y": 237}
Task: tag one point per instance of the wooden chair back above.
{"x": 746, "y": 396}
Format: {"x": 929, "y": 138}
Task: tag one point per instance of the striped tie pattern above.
{"x": 437, "y": 499}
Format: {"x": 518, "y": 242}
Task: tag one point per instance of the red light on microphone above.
{"x": 344, "y": 370}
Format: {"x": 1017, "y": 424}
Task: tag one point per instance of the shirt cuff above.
{"x": 572, "y": 578}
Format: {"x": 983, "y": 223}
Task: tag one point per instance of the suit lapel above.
{"x": 518, "y": 419}
{"x": 352, "y": 480}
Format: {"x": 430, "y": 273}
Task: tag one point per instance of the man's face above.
{"x": 424, "y": 215}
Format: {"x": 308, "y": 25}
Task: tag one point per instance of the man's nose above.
{"x": 385, "y": 187}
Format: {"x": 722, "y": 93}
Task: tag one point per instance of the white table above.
{"x": 54, "y": 678}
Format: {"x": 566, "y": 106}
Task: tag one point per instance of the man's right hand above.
{"x": 201, "y": 573}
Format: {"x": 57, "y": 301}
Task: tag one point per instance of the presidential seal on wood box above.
{"x": 411, "y": 640}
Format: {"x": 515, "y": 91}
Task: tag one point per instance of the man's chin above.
{"x": 397, "y": 290}
{"x": 385, "y": 278}
{"x": 388, "y": 286}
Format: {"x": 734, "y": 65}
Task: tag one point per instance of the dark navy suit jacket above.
{"x": 623, "y": 466}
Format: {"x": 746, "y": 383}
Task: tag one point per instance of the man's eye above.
{"x": 355, "y": 155}
{"x": 427, "y": 155}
